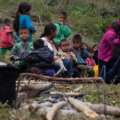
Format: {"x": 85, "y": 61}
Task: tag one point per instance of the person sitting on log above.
{"x": 81, "y": 54}
{"x": 40, "y": 59}
{"x": 20, "y": 48}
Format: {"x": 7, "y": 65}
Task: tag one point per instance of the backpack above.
{"x": 30, "y": 44}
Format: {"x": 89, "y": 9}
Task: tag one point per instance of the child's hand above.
{"x": 16, "y": 58}
{"x": 34, "y": 32}
{"x": 61, "y": 22}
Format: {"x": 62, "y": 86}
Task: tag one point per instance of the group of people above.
{"x": 52, "y": 55}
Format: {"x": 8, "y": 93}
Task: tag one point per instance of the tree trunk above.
{"x": 59, "y": 9}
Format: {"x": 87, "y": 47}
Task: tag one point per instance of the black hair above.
{"x": 7, "y": 20}
{"x": 23, "y": 6}
{"x": 89, "y": 49}
{"x": 95, "y": 45}
{"x": 63, "y": 13}
{"x": 24, "y": 28}
{"x": 38, "y": 43}
{"x": 63, "y": 40}
{"x": 47, "y": 30}
{"x": 77, "y": 37}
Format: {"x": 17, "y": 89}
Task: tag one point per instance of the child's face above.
{"x": 91, "y": 54}
{"x": 77, "y": 44}
{"x": 53, "y": 33}
{"x": 96, "y": 48}
{"x": 24, "y": 34}
{"x": 8, "y": 23}
{"x": 61, "y": 18}
{"x": 64, "y": 46}
{"x": 84, "y": 46}
{"x": 28, "y": 12}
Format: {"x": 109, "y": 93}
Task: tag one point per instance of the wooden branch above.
{"x": 83, "y": 108}
{"x": 68, "y": 94}
{"x": 50, "y": 115}
{"x": 32, "y": 107}
{"x": 110, "y": 110}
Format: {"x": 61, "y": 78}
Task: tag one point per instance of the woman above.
{"x": 106, "y": 62}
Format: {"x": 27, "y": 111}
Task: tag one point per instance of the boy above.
{"x": 20, "y": 48}
{"x": 65, "y": 54}
{"x": 6, "y": 41}
{"x": 40, "y": 60}
{"x": 62, "y": 31}
{"x": 81, "y": 54}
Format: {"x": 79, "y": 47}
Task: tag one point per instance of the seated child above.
{"x": 95, "y": 57}
{"x": 65, "y": 54}
{"x": 81, "y": 54}
{"x": 85, "y": 46}
{"x": 90, "y": 62}
{"x": 20, "y": 48}
{"x": 6, "y": 40}
{"x": 40, "y": 59}
{"x": 62, "y": 31}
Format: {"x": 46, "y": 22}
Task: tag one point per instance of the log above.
{"x": 50, "y": 115}
{"x": 83, "y": 108}
{"x": 68, "y": 94}
{"x": 32, "y": 107}
{"x": 104, "y": 109}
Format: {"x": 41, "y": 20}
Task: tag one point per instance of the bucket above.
{"x": 8, "y": 76}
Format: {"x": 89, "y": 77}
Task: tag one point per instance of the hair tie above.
{"x": 43, "y": 32}
{"x": 116, "y": 41}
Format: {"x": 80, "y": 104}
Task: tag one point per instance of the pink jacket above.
{"x": 107, "y": 45}
{"x": 6, "y": 40}
{"x": 90, "y": 62}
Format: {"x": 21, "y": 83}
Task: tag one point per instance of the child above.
{"x": 6, "y": 40}
{"x": 62, "y": 31}
{"x": 65, "y": 54}
{"x": 47, "y": 36}
{"x": 95, "y": 57}
{"x": 81, "y": 54}
{"x": 24, "y": 20}
{"x": 20, "y": 48}
{"x": 90, "y": 62}
{"x": 40, "y": 59}
{"x": 85, "y": 46}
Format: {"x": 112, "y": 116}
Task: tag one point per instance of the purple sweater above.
{"x": 107, "y": 45}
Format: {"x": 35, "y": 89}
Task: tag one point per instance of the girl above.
{"x": 24, "y": 20}
{"x": 85, "y": 46}
{"x": 105, "y": 51}
{"x": 47, "y": 36}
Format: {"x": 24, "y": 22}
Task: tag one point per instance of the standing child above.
{"x": 62, "y": 31}
{"x": 6, "y": 40}
{"x": 90, "y": 62}
{"x": 24, "y": 20}
{"x": 20, "y": 48}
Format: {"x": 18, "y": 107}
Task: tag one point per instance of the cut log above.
{"x": 68, "y": 94}
{"x": 32, "y": 107}
{"x": 83, "y": 108}
{"x": 54, "y": 109}
{"x": 104, "y": 109}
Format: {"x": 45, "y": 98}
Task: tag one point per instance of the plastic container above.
{"x": 8, "y": 76}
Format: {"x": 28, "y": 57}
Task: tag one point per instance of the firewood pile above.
{"x": 67, "y": 102}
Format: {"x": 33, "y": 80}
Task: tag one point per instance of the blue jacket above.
{"x": 41, "y": 58}
{"x": 24, "y": 21}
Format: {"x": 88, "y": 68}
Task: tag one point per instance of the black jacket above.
{"x": 41, "y": 58}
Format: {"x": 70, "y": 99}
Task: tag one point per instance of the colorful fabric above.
{"x": 6, "y": 40}
{"x": 90, "y": 62}
{"x": 50, "y": 72}
{"x": 107, "y": 45}
{"x": 24, "y": 21}
{"x": 62, "y": 32}
{"x": 3, "y": 50}
{"x": 96, "y": 71}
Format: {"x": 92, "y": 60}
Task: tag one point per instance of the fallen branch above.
{"x": 68, "y": 94}
{"x": 33, "y": 106}
{"x": 110, "y": 110}
{"x": 54, "y": 109}
{"x": 83, "y": 108}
